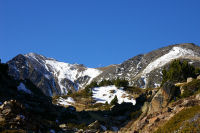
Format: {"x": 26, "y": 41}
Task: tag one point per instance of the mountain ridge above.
{"x": 57, "y": 78}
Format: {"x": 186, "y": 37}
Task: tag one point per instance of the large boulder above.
{"x": 166, "y": 93}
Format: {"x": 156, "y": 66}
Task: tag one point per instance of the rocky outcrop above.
{"x": 162, "y": 97}
{"x": 150, "y": 122}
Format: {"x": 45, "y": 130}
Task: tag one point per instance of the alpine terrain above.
{"x": 154, "y": 92}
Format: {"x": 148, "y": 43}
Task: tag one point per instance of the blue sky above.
{"x": 95, "y": 32}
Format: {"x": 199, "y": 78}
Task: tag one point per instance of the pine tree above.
{"x": 114, "y": 101}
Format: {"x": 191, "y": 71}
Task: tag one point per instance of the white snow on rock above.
{"x": 92, "y": 73}
{"x": 174, "y": 53}
{"x": 68, "y": 101}
{"x": 107, "y": 93}
{"x": 64, "y": 70}
{"x": 156, "y": 85}
{"x": 22, "y": 87}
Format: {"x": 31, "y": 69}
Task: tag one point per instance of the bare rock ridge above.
{"x": 57, "y": 78}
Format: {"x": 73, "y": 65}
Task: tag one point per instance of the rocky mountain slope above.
{"x": 51, "y": 76}
{"x": 24, "y": 108}
{"x": 164, "y": 112}
{"x": 140, "y": 69}
{"x": 57, "y": 78}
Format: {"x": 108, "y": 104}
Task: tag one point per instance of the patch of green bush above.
{"x": 85, "y": 93}
{"x": 179, "y": 72}
{"x": 120, "y": 83}
{"x": 114, "y": 101}
{"x": 117, "y": 82}
{"x": 92, "y": 85}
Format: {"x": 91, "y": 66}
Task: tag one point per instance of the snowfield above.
{"x": 107, "y": 93}
{"x": 22, "y": 87}
{"x": 68, "y": 101}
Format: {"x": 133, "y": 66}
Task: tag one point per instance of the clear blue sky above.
{"x": 95, "y": 32}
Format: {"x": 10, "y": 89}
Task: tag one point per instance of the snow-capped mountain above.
{"x": 140, "y": 69}
{"x": 57, "y": 78}
{"x": 53, "y": 77}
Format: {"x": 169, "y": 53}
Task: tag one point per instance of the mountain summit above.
{"x": 140, "y": 69}
{"x": 57, "y": 78}
{"x": 53, "y": 77}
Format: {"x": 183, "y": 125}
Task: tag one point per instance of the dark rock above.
{"x": 169, "y": 109}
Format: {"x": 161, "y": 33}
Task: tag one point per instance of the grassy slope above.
{"x": 181, "y": 120}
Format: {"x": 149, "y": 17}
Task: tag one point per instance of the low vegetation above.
{"x": 114, "y": 101}
{"x": 191, "y": 88}
{"x": 176, "y": 123}
{"x": 117, "y": 82}
{"x": 179, "y": 71}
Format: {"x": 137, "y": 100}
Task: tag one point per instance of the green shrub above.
{"x": 114, "y": 101}
{"x": 92, "y": 85}
{"x": 105, "y": 83}
{"x": 120, "y": 83}
{"x": 117, "y": 82}
{"x": 179, "y": 71}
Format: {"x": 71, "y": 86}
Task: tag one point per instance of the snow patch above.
{"x": 22, "y": 87}
{"x": 157, "y": 85}
{"x": 107, "y": 93}
{"x": 68, "y": 101}
{"x": 92, "y": 73}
